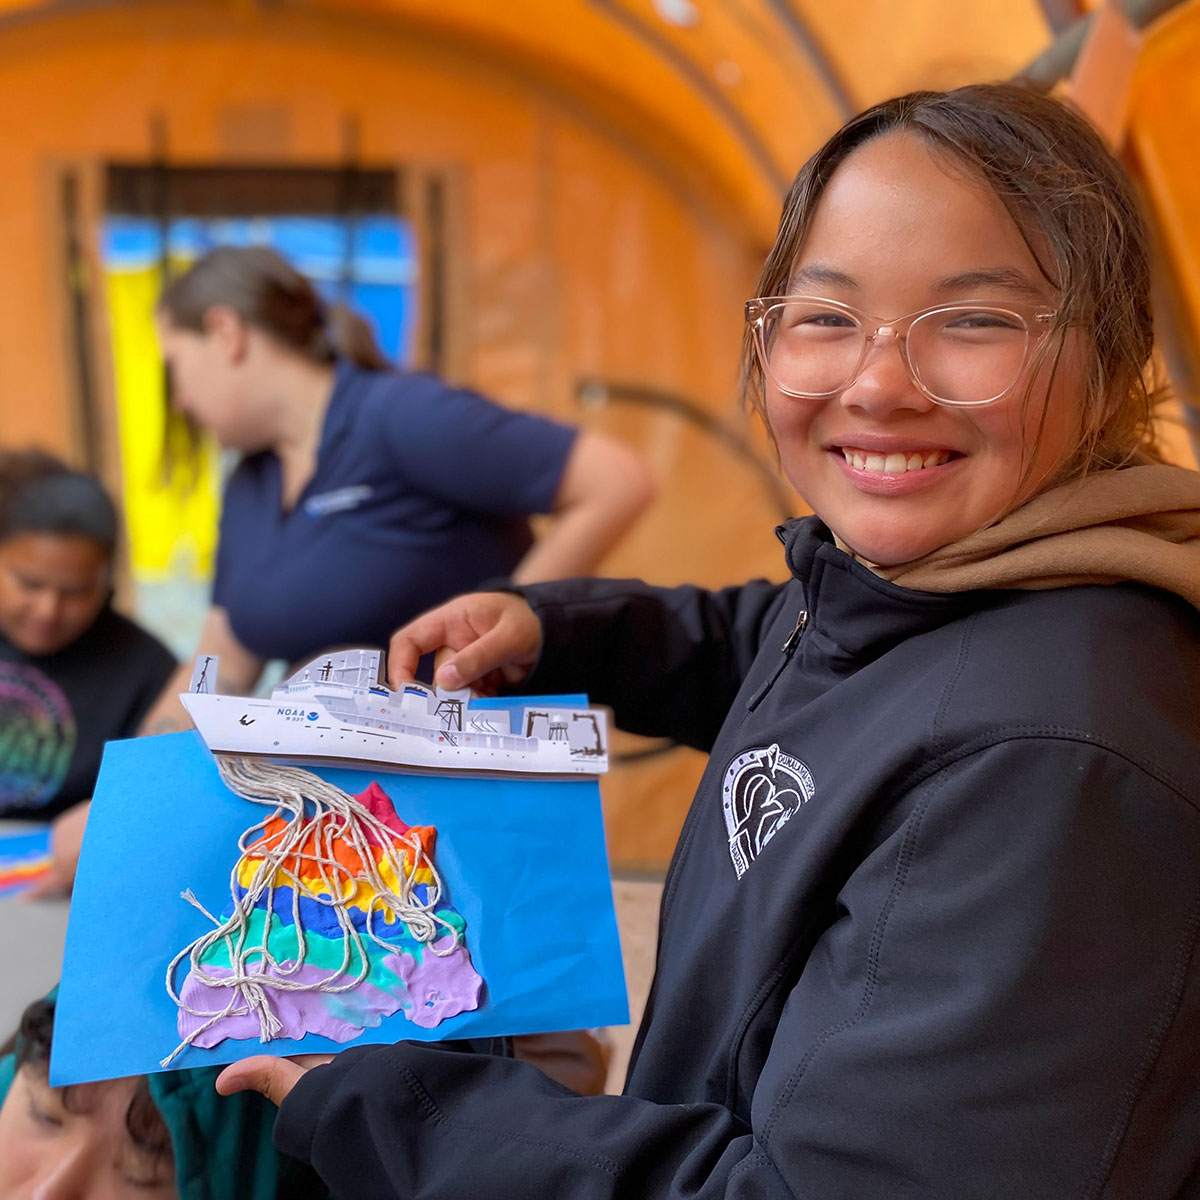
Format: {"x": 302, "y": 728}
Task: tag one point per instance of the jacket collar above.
{"x": 858, "y": 615}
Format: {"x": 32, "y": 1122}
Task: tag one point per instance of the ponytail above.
{"x": 350, "y": 336}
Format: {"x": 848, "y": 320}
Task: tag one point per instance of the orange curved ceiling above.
{"x": 747, "y": 88}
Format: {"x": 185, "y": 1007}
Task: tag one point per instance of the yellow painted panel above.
{"x": 171, "y": 530}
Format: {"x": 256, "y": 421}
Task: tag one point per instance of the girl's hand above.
{"x": 485, "y": 640}
{"x": 273, "y": 1077}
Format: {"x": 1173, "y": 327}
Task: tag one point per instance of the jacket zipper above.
{"x": 789, "y": 648}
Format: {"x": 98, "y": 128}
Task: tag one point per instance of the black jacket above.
{"x": 930, "y": 929}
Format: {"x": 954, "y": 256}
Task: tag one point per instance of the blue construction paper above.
{"x": 524, "y": 861}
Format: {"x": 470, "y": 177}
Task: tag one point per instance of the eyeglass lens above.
{"x": 960, "y": 356}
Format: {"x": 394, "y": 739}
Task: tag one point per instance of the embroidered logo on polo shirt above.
{"x": 763, "y": 789}
{"x": 339, "y": 500}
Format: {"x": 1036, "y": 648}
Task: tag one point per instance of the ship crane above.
{"x": 201, "y": 683}
{"x": 450, "y": 711}
{"x": 598, "y": 748}
{"x": 531, "y": 715}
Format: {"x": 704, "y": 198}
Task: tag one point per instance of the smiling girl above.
{"x": 931, "y": 927}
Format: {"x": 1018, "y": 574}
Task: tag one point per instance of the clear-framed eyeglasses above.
{"x": 963, "y": 354}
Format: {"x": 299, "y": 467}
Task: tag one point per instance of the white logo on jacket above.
{"x": 763, "y": 788}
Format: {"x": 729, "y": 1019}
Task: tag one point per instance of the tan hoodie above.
{"x": 1139, "y": 524}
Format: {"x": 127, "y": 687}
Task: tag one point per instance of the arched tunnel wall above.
{"x": 575, "y": 249}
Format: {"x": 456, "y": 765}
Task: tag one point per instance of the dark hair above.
{"x": 266, "y": 291}
{"x": 1076, "y": 209}
{"x": 31, "y": 1044}
{"x": 40, "y": 494}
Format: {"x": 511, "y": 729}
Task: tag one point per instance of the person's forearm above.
{"x": 577, "y": 540}
{"x": 237, "y": 673}
{"x": 605, "y": 486}
{"x": 167, "y": 714}
{"x": 413, "y": 1120}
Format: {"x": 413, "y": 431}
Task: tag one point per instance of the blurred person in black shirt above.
{"x": 73, "y": 672}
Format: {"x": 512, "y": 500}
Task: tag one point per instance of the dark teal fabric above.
{"x": 222, "y": 1144}
{"x": 8, "y": 1072}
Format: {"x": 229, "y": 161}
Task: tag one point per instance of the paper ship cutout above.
{"x": 338, "y": 707}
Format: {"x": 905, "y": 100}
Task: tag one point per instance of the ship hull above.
{"x": 309, "y": 733}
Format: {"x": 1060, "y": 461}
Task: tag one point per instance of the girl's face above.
{"x": 48, "y": 1149}
{"x": 52, "y": 588}
{"x": 895, "y": 232}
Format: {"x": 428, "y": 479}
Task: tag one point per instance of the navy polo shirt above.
{"x": 421, "y": 491}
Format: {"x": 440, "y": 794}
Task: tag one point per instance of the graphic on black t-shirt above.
{"x": 37, "y": 737}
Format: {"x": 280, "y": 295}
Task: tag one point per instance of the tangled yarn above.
{"x": 317, "y": 817}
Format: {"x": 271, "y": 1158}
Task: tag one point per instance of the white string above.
{"x": 315, "y": 811}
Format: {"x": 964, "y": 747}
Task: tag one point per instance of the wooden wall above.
{"x": 578, "y": 249}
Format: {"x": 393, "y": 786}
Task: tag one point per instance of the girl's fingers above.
{"x": 273, "y": 1077}
{"x": 472, "y": 635}
{"x": 511, "y": 645}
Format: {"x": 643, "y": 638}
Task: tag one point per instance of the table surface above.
{"x": 32, "y": 933}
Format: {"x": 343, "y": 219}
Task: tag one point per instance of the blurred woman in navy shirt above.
{"x": 364, "y": 495}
